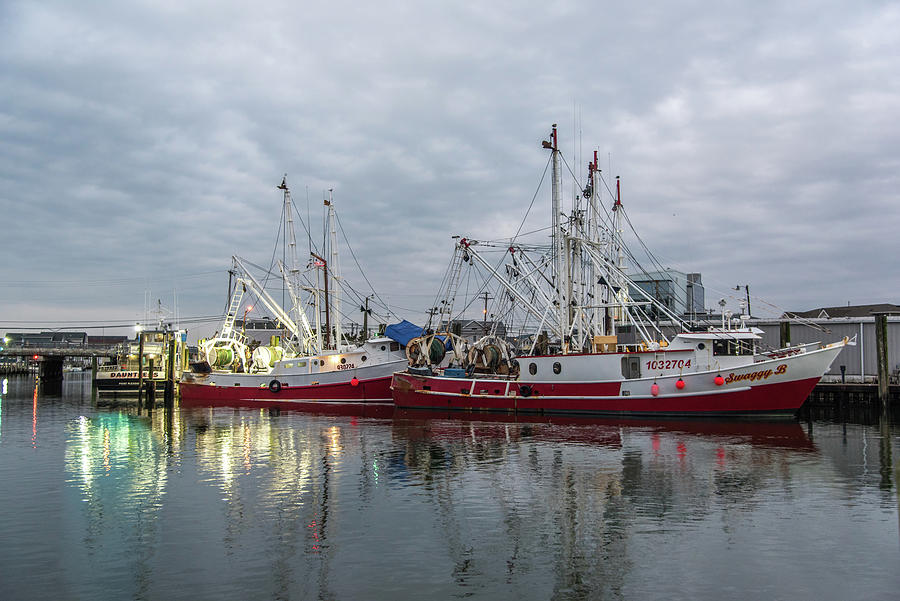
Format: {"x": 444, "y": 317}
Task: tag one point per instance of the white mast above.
{"x": 289, "y": 216}
{"x": 291, "y": 272}
{"x": 560, "y": 263}
{"x": 622, "y": 295}
{"x": 318, "y": 300}
{"x": 598, "y": 322}
{"x": 335, "y": 270}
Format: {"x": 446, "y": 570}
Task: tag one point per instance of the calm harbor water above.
{"x": 99, "y": 501}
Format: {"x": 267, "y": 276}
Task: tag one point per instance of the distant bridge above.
{"x": 50, "y": 357}
{"x": 62, "y": 351}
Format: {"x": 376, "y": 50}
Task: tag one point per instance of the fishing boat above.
{"x": 311, "y": 361}
{"x": 598, "y": 340}
{"x": 144, "y": 359}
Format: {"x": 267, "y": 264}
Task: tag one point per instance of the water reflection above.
{"x": 581, "y": 490}
{"x": 267, "y": 504}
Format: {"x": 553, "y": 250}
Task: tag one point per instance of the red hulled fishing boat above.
{"x": 596, "y": 343}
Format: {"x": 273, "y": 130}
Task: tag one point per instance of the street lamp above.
{"x": 244, "y": 320}
{"x": 746, "y": 288}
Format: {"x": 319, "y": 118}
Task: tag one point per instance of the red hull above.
{"x": 376, "y": 390}
{"x": 412, "y": 391}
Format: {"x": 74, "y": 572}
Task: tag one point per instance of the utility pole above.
{"x": 746, "y": 288}
{"x": 365, "y": 312}
{"x": 431, "y": 313}
{"x": 486, "y": 297}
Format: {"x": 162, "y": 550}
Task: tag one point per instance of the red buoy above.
{"x": 719, "y": 380}
{"x": 679, "y": 384}
{"x": 354, "y": 382}
{"x": 654, "y": 390}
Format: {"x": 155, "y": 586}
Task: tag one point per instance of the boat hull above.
{"x": 293, "y": 387}
{"x": 374, "y": 390}
{"x": 774, "y": 388}
{"x": 782, "y": 399}
{"x": 125, "y": 380}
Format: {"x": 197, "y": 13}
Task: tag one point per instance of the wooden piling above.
{"x": 141, "y": 368}
{"x": 94, "y": 362}
{"x": 169, "y": 397}
{"x": 151, "y": 386}
{"x": 881, "y": 355}
{"x": 784, "y": 332}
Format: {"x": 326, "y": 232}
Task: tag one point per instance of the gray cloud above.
{"x": 756, "y": 143}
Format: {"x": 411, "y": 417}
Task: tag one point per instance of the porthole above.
{"x": 557, "y": 367}
{"x": 363, "y": 358}
{"x": 701, "y": 346}
{"x": 383, "y": 347}
{"x": 343, "y": 359}
{"x": 532, "y": 368}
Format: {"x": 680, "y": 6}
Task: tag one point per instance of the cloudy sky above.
{"x": 141, "y": 142}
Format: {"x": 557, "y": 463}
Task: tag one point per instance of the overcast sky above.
{"x": 141, "y": 142}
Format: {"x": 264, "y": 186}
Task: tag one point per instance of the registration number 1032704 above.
{"x": 668, "y": 364}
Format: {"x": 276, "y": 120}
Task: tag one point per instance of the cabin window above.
{"x": 631, "y": 367}
{"x": 733, "y": 348}
{"x": 532, "y": 368}
{"x": 395, "y": 346}
{"x": 557, "y": 367}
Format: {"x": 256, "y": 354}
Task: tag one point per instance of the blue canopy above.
{"x": 405, "y": 331}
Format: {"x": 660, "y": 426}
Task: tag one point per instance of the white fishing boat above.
{"x": 313, "y": 361}
{"x": 127, "y": 372}
{"x": 596, "y": 343}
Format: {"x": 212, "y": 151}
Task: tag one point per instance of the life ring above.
{"x": 470, "y": 370}
{"x": 275, "y": 386}
{"x": 525, "y": 390}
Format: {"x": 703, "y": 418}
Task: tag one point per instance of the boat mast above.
{"x": 335, "y": 270}
{"x": 292, "y": 270}
{"x": 616, "y": 251}
{"x": 597, "y": 314}
{"x": 560, "y": 263}
{"x": 289, "y": 216}
{"x": 324, "y": 265}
